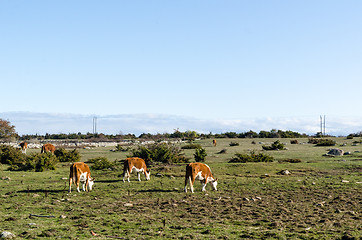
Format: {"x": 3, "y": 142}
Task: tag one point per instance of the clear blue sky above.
{"x": 204, "y": 59}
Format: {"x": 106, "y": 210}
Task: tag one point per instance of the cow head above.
{"x": 214, "y": 184}
{"x": 148, "y": 174}
{"x": 90, "y": 183}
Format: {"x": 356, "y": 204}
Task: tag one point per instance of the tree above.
{"x": 6, "y": 129}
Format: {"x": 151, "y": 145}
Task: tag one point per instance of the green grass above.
{"x": 311, "y": 203}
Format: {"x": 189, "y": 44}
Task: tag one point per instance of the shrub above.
{"x": 200, "y": 155}
{"x": 222, "y": 151}
{"x": 253, "y": 157}
{"x": 294, "y": 141}
{"x": 160, "y": 152}
{"x": 232, "y": 144}
{"x": 11, "y": 155}
{"x": 326, "y": 142}
{"x": 101, "y": 163}
{"x": 275, "y": 146}
{"x": 38, "y": 162}
{"x": 67, "y": 156}
{"x": 119, "y": 148}
{"x": 191, "y": 146}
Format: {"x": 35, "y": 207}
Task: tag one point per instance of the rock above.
{"x": 345, "y": 181}
{"x": 246, "y": 199}
{"x": 7, "y": 235}
{"x": 336, "y": 152}
{"x": 128, "y": 205}
{"x": 6, "y": 178}
{"x": 63, "y": 216}
{"x": 284, "y": 172}
{"x": 347, "y": 153}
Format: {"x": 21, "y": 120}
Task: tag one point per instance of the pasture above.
{"x": 320, "y": 199}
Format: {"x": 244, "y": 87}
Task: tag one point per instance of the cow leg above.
{"x": 77, "y": 184}
{"x": 139, "y": 176}
{"x": 192, "y": 181}
{"x": 186, "y": 180}
{"x": 70, "y": 184}
{"x": 203, "y": 185}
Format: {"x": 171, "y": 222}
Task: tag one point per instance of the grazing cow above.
{"x": 47, "y": 148}
{"x": 201, "y": 172}
{"x": 137, "y": 164}
{"x": 214, "y": 142}
{"x": 80, "y": 172}
{"x": 24, "y": 146}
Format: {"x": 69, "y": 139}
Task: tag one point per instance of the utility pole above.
{"x": 94, "y": 125}
{"x": 323, "y": 125}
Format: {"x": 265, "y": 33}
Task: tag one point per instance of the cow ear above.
{"x": 215, "y": 180}
{"x": 93, "y": 179}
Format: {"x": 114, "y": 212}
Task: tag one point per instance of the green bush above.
{"x": 192, "y": 146}
{"x": 119, "y": 148}
{"x": 200, "y": 155}
{"x": 253, "y": 157}
{"x": 67, "y": 156}
{"x": 11, "y": 155}
{"x": 275, "y": 146}
{"x": 326, "y": 142}
{"x": 37, "y": 161}
{"x": 101, "y": 163}
{"x": 160, "y": 152}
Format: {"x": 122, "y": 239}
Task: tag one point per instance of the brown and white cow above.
{"x": 47, "y": 148}
{"x": 24, "y": 146}
{"x": 137, "y": 164}
{"x": 80, "y": 172}
{"x": 201, "y": 172}
{"x": 214, "y": 142}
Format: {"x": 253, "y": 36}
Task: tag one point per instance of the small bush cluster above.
{"x": 277, "y": 145}
{"x": 192, "y": 146}
{"x": 322, "y": 141}
{"x": 67, "y": 156}
{"x": 253, "y": 157}
{"x": 294, "y": 141}
{"x": 119, "y": 148}
{"x": 101, "y": 163}
{"x": 233, "y": 144}
{"x": 22, "y": 162}
{"x": 160, "y": 152}
{"x": 200, "y": 155}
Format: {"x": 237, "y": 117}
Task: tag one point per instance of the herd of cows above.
{"x": 80, "y": 171}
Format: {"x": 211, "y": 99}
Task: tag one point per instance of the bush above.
{"x": 101, "y": 163}
{"x": 160, "y": 152}
{"x": 11, "y": 155}
{"x": 191, "y": 146}
{"x": 275, "y": 146}
{"x": 294, "y": 141}
{"x": 200, "y": 155}
{"x": 119, "y": 148}
{"x": 322, "y": 141}
{"x": 38, "y": 162}
{"x": 232, "y": 144}
{"x": 253, "y": 157}
{"x": 67, "y": 156}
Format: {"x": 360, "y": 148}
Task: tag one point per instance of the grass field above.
{"x": 321, "y": 199}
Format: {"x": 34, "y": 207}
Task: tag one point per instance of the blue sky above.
{"x": 211, "y": 61}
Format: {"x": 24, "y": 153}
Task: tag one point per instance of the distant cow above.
{"x": 137, "y": 164}
{"x": 80, "y": 172}
{"x": 214, "y": 142}
{"x": 200, "y": 172}
{"x": 24, "y": 146}
{"x": 47, "y": 148}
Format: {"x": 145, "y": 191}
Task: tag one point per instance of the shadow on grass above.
{"x": 107, "y": 181}
{"x": 42, "y": 191}
{"x": 156, "y": 190}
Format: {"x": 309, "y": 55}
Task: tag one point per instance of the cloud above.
{"x": 41, "y": 123}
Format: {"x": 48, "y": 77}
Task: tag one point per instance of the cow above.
{"x": 24, "y": 146}
{"x": 214, "y": 142}
{"x": 80, "y": 172}
{"x": 47, "y": 148}
{"x": 201, "y": 172}
{"x": 137, "y": 164}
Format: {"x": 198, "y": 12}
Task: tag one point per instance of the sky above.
{"x": 199, "y": 65}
